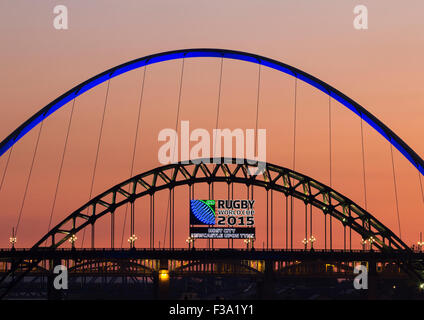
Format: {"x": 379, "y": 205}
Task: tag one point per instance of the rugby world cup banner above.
{"x": 222, "y": 219}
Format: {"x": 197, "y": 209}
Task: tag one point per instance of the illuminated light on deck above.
{"x": 163, "y": 275}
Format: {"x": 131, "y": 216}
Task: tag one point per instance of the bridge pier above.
{"x": 161, "y": 280}
{"x": 266, "y": 286}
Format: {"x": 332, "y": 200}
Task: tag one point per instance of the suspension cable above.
{"x": 29, "y": 178}
{"x": 291, "y": 222}
{"x": 168, "y": 211}
{"x": 61, "y": 165}
{"x": 218, "y": 103}
{"x": 5, "y": 168}
{"x": 135, "y": 147}
{"x": 179, "y": 99}
{"x": 421, "y": 185}
{"x": 97, "y": 152}
{"x": 395, "y": 187}
{"x": 267, "y": 218}
{"x": 306, "y": 225}
{"x": 171, "y": 205}
{"x": 257, "y": 110}
{"x": 363, "y": 165}
{"x": 173, "y": 151}
{"x": 330, "y": 143}
{"x": 294, "y": 123}
{"x": 287, "y": 222}
{"x": 272, "y": 219}
{"x": 294, "y": 159}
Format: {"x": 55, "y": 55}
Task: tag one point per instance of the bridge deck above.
{"x": 211, "y": 254}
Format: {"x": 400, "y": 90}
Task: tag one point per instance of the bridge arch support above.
{"x": 87, "y": 85}
{"x": 229, "y": 170}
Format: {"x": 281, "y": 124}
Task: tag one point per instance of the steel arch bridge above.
{"x": 214, "y": 170}
{"x": 276, "y": 178}
{"x": 229, "y": 170}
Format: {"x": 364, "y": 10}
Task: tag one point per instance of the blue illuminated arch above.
{"x": 381, "y": 128}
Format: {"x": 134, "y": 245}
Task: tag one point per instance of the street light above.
{"x": 305, "y": 242}
{"x": 371, "y": 240}
{"x": 363, "y": 242}
{"x": 247, "y": 242}
{"x": 132, "y": 240}
{"x": 13, "y": 239}
{"x": 190, "y": 240}
{"x": 72, "y": 240}
{"x": 163, "y": 275}
{"x": 312, "y": 239}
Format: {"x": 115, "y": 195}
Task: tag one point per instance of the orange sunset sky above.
{"x": 381, "y": 68}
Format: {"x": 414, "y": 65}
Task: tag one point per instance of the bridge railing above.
{"x": 183, "y": 250}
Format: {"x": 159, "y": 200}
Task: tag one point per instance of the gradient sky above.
{"x": 381, "y": 68}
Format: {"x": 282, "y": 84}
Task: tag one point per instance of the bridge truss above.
{"x": 228, "y": 170}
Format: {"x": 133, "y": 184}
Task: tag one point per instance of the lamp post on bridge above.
{"x": 371, "y": 241}
{"x": 312, "y": 239}
{"x": 72, "y": 240}
{"x": 132, "y": 240}
{"x": 305, "y": 242}
{"x": 364, "y": 243}
{"x": 190, "y": 241}
{"x": 13, "y": 239}
{"x": 248, "y": 242}
{"x": 420, "y": 243}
